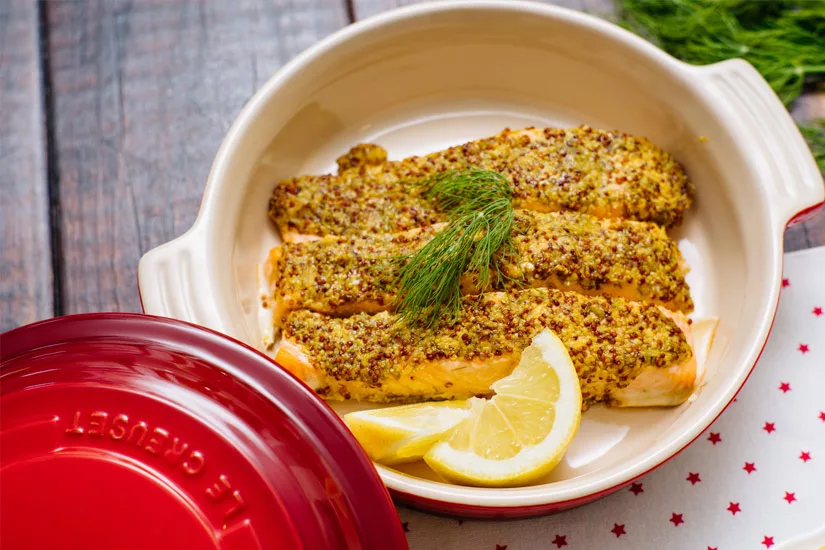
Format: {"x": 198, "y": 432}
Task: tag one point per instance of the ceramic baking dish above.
{"x": 422, "y": 78}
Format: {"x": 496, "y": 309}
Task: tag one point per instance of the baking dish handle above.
{"x": 789, "y": 174}
{"x": 174, "y": 281}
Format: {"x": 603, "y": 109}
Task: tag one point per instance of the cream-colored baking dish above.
{"x": 425, "y": 77}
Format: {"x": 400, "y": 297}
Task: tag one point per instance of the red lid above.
{"x": 130, "y": 431}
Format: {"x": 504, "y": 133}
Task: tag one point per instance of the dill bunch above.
{"x": 783, "y": 39}
{"x": 479, "y": 206}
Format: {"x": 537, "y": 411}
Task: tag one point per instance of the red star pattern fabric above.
{"x": 618, "y": 530}
{"x": 817, "y": 311}
{"x": 786, "y": 283}
{"x": 751, "y": 480}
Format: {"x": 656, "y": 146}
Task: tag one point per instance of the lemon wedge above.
{"x": 403, "y": 434}
{"x": 521, "y": 433}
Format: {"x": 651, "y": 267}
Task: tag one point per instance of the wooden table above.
{"x": 110, "y": 114}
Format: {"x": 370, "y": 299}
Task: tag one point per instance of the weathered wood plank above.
{"x": 366, "y": 8}
{"x": 25, "y": 267}
{"x": 144, "y": 92}
{"x": 809, "y": 234}
{"x": 803, "y": 235}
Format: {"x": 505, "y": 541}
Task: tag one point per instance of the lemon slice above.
{"x": 521, "y": 433}
{"x": 403, "y": 434}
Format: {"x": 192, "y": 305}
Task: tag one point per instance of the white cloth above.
{"x": 705, "y": 498}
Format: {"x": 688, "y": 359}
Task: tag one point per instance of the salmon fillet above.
{"x": 626, "y": 353}
{"x": 565, "y": 250}
{"x": 606, "y": 174}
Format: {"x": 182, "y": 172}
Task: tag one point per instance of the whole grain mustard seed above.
{"x": 564, "y": 250}
{"x": 607, "y": 174}
{"x": 610, "y": 340}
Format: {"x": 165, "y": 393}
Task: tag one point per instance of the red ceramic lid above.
{"x": 129, "y": 431}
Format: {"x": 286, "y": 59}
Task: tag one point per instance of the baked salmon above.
{"x": 626, "y": 353}
{"x": 343, "y": 275}
{"x": 606, "y": 174}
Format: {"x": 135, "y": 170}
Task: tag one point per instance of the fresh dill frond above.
{"x": 783, "y": 39}
{"x": 479, "y": 206}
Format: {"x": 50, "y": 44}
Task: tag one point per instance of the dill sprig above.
{"x": 479, "y": 206}
{"x": 783, "y": 39}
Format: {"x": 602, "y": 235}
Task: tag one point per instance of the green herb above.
{"x": 479, "y": 205}
{"x": 783, "y": 39}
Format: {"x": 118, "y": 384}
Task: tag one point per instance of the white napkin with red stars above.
{"x": 754, "y": 480}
